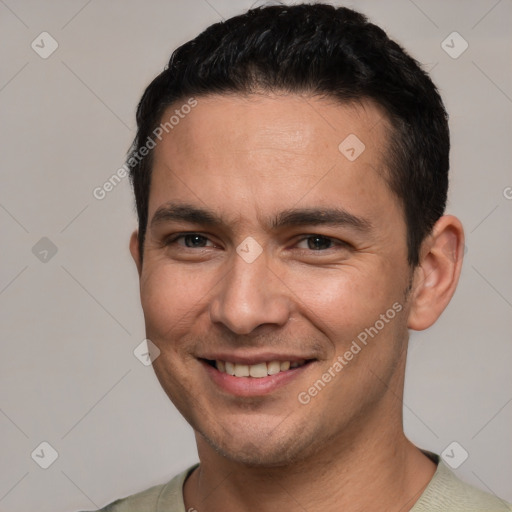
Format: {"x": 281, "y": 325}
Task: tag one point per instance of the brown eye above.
{"x": 192, "y": 240}
{"x": 195, "y": 240}
{"x": 317, "y": 242}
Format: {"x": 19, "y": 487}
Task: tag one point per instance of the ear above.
{"x": 134, "y": 249}
{"x": 437, "y": 275}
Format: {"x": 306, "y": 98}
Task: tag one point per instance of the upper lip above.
{"x": 250, "y": 359}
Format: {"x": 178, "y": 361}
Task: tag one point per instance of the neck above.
{"x": 356, "y": 472}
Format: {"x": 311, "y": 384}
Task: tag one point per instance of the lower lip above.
{"x": 252, "y": 386}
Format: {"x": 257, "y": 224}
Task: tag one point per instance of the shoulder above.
{"x": 145, "y": 500}
{"x": 447, "y": 493}
{"x": 167, "y": 496}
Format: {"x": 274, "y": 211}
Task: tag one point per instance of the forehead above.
{"x": 281, "y": 121}
{"x": 272, "y": 148}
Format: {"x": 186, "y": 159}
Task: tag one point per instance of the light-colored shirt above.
{"x": 445, "y": 493}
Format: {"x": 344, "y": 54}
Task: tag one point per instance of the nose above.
{"x": 249, "y": 296}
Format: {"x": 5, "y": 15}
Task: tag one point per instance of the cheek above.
{"x": 169, "y": 296}
{"x": 339, "y": 301}
{"x": 344, "y": 301}
{"x": 169, "y": 300}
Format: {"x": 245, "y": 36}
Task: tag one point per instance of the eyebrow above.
{"x": 179, "y": 212}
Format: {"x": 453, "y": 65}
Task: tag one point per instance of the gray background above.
{"x": 71, "y": 321}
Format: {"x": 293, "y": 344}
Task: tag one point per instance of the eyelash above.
{"x": 174, "y": 238}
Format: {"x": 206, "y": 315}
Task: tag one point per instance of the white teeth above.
{"x": 285, "y": 365}
{"x": 273, "y": 367}
{"x": 241, "y": 370}
{"x": 258, "y": 370}
{"x": 230, "y": 368}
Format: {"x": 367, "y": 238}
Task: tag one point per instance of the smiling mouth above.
{"x": 257, "y": 371}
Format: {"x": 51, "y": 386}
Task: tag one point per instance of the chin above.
{"x": 260, "y": 450}
{"x": 251, "y": 456}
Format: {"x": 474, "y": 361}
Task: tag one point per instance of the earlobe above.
{"x": 134, "y": 250}
{"x": 437, "y": 275}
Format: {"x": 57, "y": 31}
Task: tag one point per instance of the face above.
{"x": 278, "y": 253}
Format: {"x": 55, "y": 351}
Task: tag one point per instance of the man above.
{"x": 290, "y": 172}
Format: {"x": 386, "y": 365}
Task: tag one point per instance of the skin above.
{"x": 247, "y": 158}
